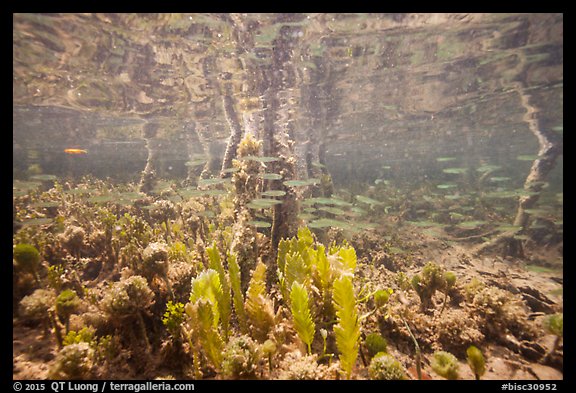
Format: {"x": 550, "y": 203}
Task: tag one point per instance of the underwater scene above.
{"x": 285, "y": 196}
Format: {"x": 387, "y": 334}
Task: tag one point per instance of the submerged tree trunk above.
{"x": 236, "y": 132}
{"x": 549, "y": 150}
{"x": 148, "y": 178}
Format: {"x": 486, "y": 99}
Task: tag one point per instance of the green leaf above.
{"x": 303, "y": 323}
{"x": 347, "y": 329}
{"x": 223, "y": 297}
{"x": 258, "y": 306}
{"x": 238, "y": 296}
{"x": 207, "y": 287}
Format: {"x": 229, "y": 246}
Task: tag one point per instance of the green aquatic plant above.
{"x": 240, "y": 358}
{"x": 258, "y": 305}
{"x": 163, "y": 211}
{"x": 74, "y": 361}
{"x": 303, "y": 322}
{"x": 237, "y": 294}
{"x": 27, "y": 259}
{"x": 67, "y": 303}
{"x": 54, "y": 275}
{"x": 449, "y": 282}
{"x": 268, "y": 349}
{"x": 427, "y": 283}
{"x": 554, "y": 324}
{"x": 39, "y": 306}
{"x": 385, "y": 367}
{"x": 225, "y": 298}
{"x": 476, "y": 361}
{"x": 84, "y": 335}
{"x": 129, "y": 298}
{"x": 445, "y": 364}
{"x": 375, "y": 343}
{"x": 155, "y": 262}
{"x": 203, "y": 322}
{"x": 347, "y": 328}
{"x": 173, "y": 319}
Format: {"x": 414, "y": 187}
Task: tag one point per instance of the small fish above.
{"x": 76, "y": 151}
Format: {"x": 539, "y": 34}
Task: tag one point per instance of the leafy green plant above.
{"x": 445, "y": 364}
{"x": 303, "y": 322}
{"x": 476, "y": 361}
{"x": 237, "y": 294}
{"x": 224, "y": 301}
{"x": 173, "y": 318}
{"x": 347, "y": 329}
{"x": 84, "y": 335}
{"x": 258, "y": 305}
{"x": 204, "y": 315}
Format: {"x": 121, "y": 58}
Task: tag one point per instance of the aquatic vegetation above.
{"x": 445, "y": 364}
{"x": 240, "y": 358}
{"x": 476, "y": 361}
{"x": 237, "y": 293}
{"x": 74, "y": 361}
{"x": 258, "y": 306}
{"x": 298, "y": 367}
{"x": 385, "y": 367}
{"x": 347, "y": 329}
{"x": 27, "y": 259}
{"x": 502, "y": 313}
{"x": 84, "y": 335}
{"x": 554, "y": 324}
{"x": 303, "y": 323}
{"x": 430, "y": 280}
{"x": 375, "y": 343}
{"x": 67, "y": 303}
{"x": 173, "y": 318}
{"x": 39, "y": 306}
{"x": 129, "y": 298}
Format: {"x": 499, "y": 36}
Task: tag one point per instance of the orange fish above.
{"x": 75, "y": 151}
